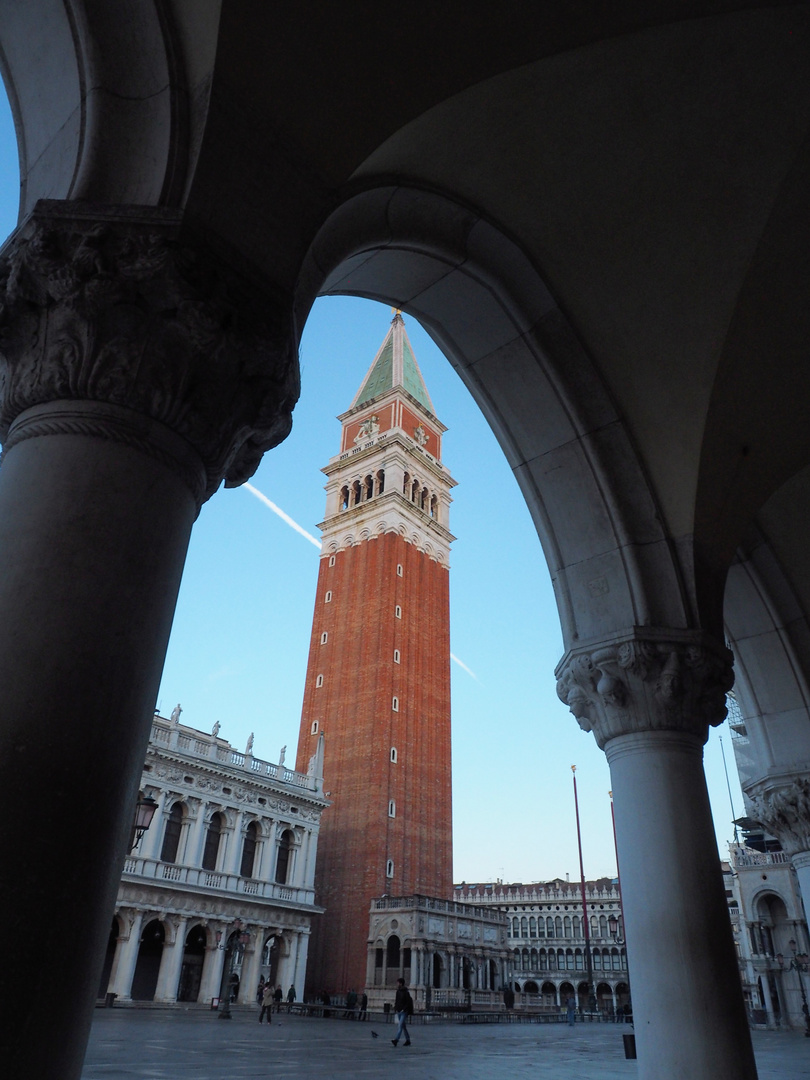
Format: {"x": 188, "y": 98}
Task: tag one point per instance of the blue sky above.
{"x": 239, "y": 644}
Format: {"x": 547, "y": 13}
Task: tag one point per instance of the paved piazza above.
{"x": 150, "y": 1044}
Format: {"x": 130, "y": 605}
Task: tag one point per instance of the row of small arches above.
{"x": 569, "y": 959}
{"x": 373, "y": 484}
{"x": 213, "y": 835}
{"x": 559, "y": 926}
{"x": 362, "y": 490}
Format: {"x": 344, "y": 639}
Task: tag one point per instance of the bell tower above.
{"x": 378, "y": 677}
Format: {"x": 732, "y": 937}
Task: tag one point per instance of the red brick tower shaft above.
{"x": 378, "y": 677}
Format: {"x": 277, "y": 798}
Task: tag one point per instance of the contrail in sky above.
{"x": 282, "y": 515}
{"x": 461, "y": 664}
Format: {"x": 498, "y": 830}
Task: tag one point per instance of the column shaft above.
{"x": 676, "y": 914}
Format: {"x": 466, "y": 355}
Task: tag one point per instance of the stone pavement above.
{"x": 151, "y": 1044}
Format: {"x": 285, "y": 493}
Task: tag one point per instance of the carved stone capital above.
{"x": 647, "y": 679}
{"x": 781, "y": 804}
{"x": 118, "y": 306}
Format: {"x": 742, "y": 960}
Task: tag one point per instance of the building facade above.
{"x": 220, "y": 889}
{"x": 451, "y": 955}
{"x": 378, "y": 676}
{"x": 546, "y": 940}
{"x": 770, "y": 931}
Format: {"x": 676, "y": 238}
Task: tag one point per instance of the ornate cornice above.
{"x": 647, "y": 680}
{"x": 115, "y": 307}
{"x": 782, "y": 806}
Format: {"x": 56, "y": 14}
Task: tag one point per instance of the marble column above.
{"x": 137, "y": 371}
{"x": 127, "y": 956}
{"x": 211, "y": 978}
{"x": 171, "y": 961}
{"x": 301, "y": 963}
{"x": 251, "y": 965}
{"x": 649, "y": 696}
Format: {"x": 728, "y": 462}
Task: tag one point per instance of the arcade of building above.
{"x": 599, "y": 212}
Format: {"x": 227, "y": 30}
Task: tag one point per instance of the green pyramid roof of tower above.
{"x": 394, "y": 365}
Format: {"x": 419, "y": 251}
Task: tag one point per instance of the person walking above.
{"x": 363, "y": 1007}
{"x": 278, "y": 994}
{"x": 351, "y": 1004}
{"x": 260, "y": 991}
{"x": 290, "y": 998}
{"x": 403, "y": 1007}
{"x": 571, "y": 1009}
{"x": 267, "y": 1003}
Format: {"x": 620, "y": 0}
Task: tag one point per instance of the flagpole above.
{"x": 586, "y": 924}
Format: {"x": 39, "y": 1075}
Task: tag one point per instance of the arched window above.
{"x": 314, "y": 729}
{"x": 594, "y": 926}
{"x": 578, "y": 959}
{"x": 171, "y": 837}
{"x": 603, "y": 926}
{"x": 398, "y": 611}
{"x": 392, "y": 952}
{"x": 357, "y": 493}
{"x": 414, "y": 491}
{"x": 283, "y": 860}
{"x": 324, "y": 637}
{"x": 558, "y": 932}
{"x": 567, "y": 926}
{"x": 392, "y": 808}
{"x": 211, "y": 849}
{"x": 394, "y": 754}
{"x": 532, "y": 927}
{"x": 550, "y": 926}
{"x": 525, "y": 959}
{"x": 328, "y": 598}
{"x": 396, "y": 656}
{"x": 423, "y": 498}
{"x": 524, "y": 927}
{"x": 319, "y": 681}
{"x": 577, "y": 927}
{"x": 516, "y": 927}
{"x": 399, "y": 569}
{"x": 542, "y": 960}
{"x": 249, "y": 850}
{"x": 406, "y": 481}
{"x": 596, "y": 956}
{"x": 389, "y": 868}
{"x": 344, "y": 505}
{"x": 541, "y": 927}
{"x": 332, "y": 557}
{"x": 380, "y": 481}
{"x": 369, "y": 488}
{"x": 395, "y": 704}
{"x": 434, "y": 508}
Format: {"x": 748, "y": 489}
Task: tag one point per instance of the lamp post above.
{"x": 144, "y": 812}
{"x": 798, "y": 963}
{"x": 235, "y": 943}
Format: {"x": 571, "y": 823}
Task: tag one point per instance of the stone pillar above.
{"x": 649, "y": 697}
{"x": 153, "y": 837}
{"x": 301, "y": 964}
{"x": 171, "y": 961}
{"x": 211, "y": 977}
{"x": 127, "y": 956}
{"x": 251, "y": 965}
{"x": 136, "y": 372}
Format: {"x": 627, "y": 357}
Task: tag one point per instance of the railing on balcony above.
{"x": 195, "y": 878}
{"x": 748, "y": 857}
{"x": 431, "y": 903}
{"x": 209, "y": 746}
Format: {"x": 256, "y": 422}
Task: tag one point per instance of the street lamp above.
{"x": 236, "y": 942}
{"x": 798, "y": 963}
{"x": 144, "y": 812}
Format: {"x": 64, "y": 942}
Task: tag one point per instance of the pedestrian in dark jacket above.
{"x": 403, "y": 1007}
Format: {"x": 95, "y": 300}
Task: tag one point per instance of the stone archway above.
{"x": 191, "y": 969}
{"x": 150, "y": 953}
